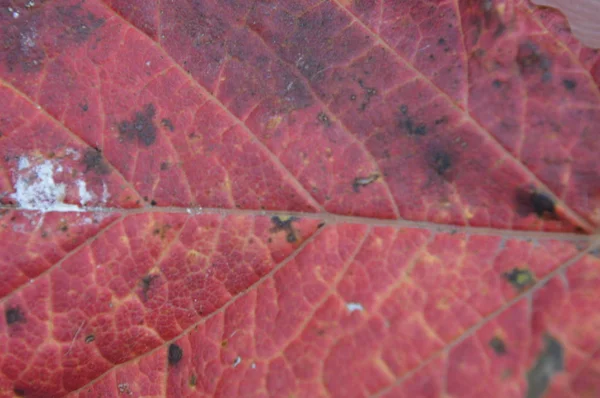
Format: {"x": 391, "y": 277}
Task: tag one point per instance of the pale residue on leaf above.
{"x": 351, "y": 307}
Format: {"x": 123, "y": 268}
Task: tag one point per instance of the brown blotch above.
{"x": 175, "y": 354}
{"x": 531, "y": 60}
{"x": 146, "y": 283}
{"x": 498, "y": 345}
{"x": 520, "y": 278}
{"x": 569, "y": 84}
{"x": 323, "y": 118}
{"x": 407, "y": 123}
{"x": 193, "y": 380}
{"x": 360, "y": 182}
{"x": 285, "y": 224}
{"x": 549, "y": 362}
{"x": 168, "y": 124}
{"x": 164, "y": 166}
{"x": 94, "y": 161}
{"x": 19, "y": 392}
{"x": 531, "y": 201}
{"x": 141, "y": 127}
{"x": 14, "y": 315}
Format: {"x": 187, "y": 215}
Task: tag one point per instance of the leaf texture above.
{"x": 297, "y": 198}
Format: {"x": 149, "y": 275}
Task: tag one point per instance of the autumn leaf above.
{"x": 291, "y": 198}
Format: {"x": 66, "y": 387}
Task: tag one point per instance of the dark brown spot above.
{"x": 520, "y": 278}
{"x": 441, "y": 163}
{"x": 285, "y": 224}
{"x": 153, "y": 202}
{"x": 146, "y": 283}
{"x": 164, "y": 166}
{"x": 532, "y": 60}
{"x": 93, "y": 160}
{"x": 549, "y": 362}
{"x": 19, "y": 392}
{"x": 168, "y": 124}
{"x": 569, "y": 84}
{"x": 89, "y": 338}
{"x": 193, "y": 380}
{"x": 323, "y": 118}
{"x": 407, "y": 123}
{"x": 175, "y": 354}
{"x": 498, "y": 345}
{"x": 360, "y": 182}
{"x": 141, "y": 127}
{"x": 535, "y": 202}
{"x": 14, "y": 315}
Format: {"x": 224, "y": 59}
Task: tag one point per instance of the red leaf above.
{"x": 297, "y": 198}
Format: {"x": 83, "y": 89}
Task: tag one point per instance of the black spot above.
{"x": 168, "y": 124}
{"x": 407, "y": 123}
{"x": 175, "y": 354}
{"x": 534, "y": 202}
{"x": 549, "y": 362}
{"x": 84, "y": 106}
{"x": 285, "y": 224}
{"x": 569, "y": 84}
{"x": 164, "y": 166}
{"x": 369, "y": 92}
{"x": 19, "y": 392}
{"x": 93, "y": 160}
{"x": 321, "y": 225}
{"x": 141, "y": 126}
{"x": 323, "y": 118}
{"x": 497, "y": 83}
{"x": 441, "y": 163}
{"x": 89, "y": 338}
{"x": 153, "y": 202}
{"x": 14, "y": 315}
{"x": 532, "y": 60}
{"x": 441, "y": 41}
{"x": 193, "y": 380}
{"x": 363, "y": 182}
{"x": 498, "y": 345}
{"x": 146, "y": 283}
{"x": 520, "y": 278}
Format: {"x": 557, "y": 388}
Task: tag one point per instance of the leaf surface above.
{"x": 297, "y": 198}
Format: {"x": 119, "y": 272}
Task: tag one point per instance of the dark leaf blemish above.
{"x": 520, "y": 278}
{"x": 14, "y": 315}
{"x": 569, "y": 84}
{"x": 323, "y": 118}
{"x": 94, "y": 161}
{"x": 285, "y": 224}
{"x": 549, "y": 362}
{"x": 89, "y": 338}
{"x": 535, "y": 202}
{"x": 168, "y": 124}
{"x": 407, "y": 123}
{"x": 363, "y": 182}
{"x": 141, "y": 126}
{"x": 498, "y": 345}
{"x": 146, "y": 283}
{"x": 19, "y": 392}
{"x": 441, "y": 163}
{"x": 175, "y": 354}
{"x": 532, "y": 60}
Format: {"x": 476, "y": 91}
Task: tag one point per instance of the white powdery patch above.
{"x": 351, "y": 307}
{"x": 23, "y": 163}
{"x": 84, "y": 195}
{"x": 37, "y": 190}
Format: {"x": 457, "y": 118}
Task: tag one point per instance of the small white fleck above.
{"x": 237, "y": 361}
{"x": 73, "y": 153}
{"x": 97, "y": 266}
{"x": 188, "y": 210}
{"x": 23, "y": 163}
{"x": 351, "y": 307}
{"x": 84, "y": 195}
{"x": 104, "y": 193}
{"x": 253, "y": 366}
{"x": 30, "y": 4}
{"x": 15, "y": 15}
{"x": 147, "y": 63}
{"x": 233, "y": 334}
{"x": 31, "y": 281}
